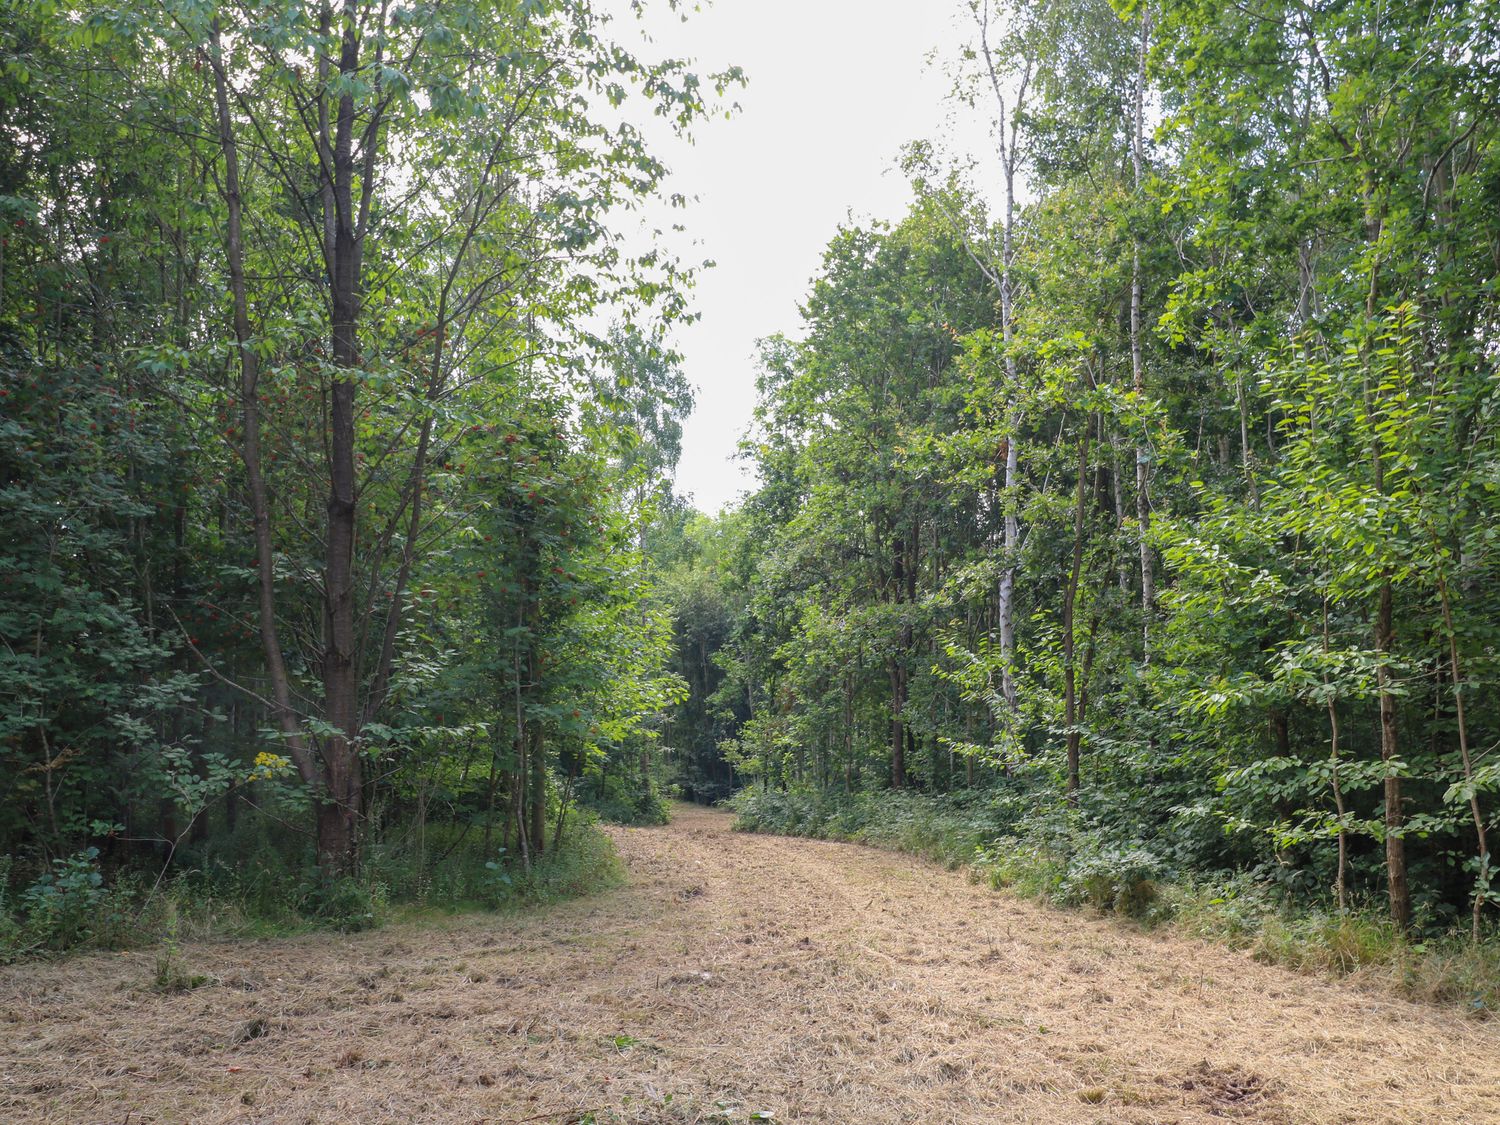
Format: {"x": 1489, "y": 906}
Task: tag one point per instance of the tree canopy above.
{"x": 1157, "y": 503}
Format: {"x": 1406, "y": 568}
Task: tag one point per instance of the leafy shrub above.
{"x": 1043, "y": 850}
{"x": 344, "y": 903}
{"x": 69, "y": 906}
{"x": 499, "y": 881}
{"x": 66, "y": 905}
{"x": 1119, "y": 878}
{"x": 1022, "y": 865}
{"x": 585, "y": 863}
{"x": 453, "y": 871}
{"x": 948, "y": 828}
{"x": 621, "y": 800}
{"x": 1232, "y": 910}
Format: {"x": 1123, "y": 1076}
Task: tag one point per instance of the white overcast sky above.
{"x": 836, "y": 88}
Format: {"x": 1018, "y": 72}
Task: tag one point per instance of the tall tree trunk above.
{"x": 898, "y": 732}
{"x": 537, "y": 772}
{"x": 897, "y": 671}
{"x": 283, "y": 713}
{"x": 1011, "y": 547}
{"x": 848, "y": 732}
{"x": 1455, "y": 668}
{"x": 1340, "y": 878}
{"x": 969, "y": 741}
{"x": 1247, "y": 463}
{"x": 1009, "y": 137}
{"x": 338, "y": 820}
{"x": 519, "y": 776}
{"x": 1137, "y": 362}
{"x": 1395, "y": 843}
{"x": 1385, "y": 631}
{"x": 490, "y": 789}
{"x": 1070, "y": 605}
{"x": 564, "y": 804}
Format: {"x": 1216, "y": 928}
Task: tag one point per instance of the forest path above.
{"x": 735, "y": 975}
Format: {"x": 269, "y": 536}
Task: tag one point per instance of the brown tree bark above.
{"x": 338, "y": 818}
{"x": 898, "y": 731}
{"x": 897, "y": 671}
{"x": 1481, "y": 838}
{"x": 1395, "y": 843}
{"x": 283, "y": 713}
{"x": 1385, "y": 631}
{"x": 537, "y": 773}
{"x": 1340, "y": 879}
{"x": 1070, "y": 603}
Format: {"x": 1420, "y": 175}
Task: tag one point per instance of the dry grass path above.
{"x": 735, "y": 975}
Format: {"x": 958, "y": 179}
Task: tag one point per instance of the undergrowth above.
{"x": 1057, "y": 857}
{"x": 252, "y": 885}
{"x": 621, "y": 800}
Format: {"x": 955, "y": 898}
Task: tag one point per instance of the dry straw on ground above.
{"x": 736, "y": 975}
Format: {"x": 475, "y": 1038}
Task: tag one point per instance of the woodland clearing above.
{"x": 735, "y": 977}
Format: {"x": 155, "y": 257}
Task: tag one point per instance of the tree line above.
{"x": 321, "y": 484}
{"x": 1144, "y": 476}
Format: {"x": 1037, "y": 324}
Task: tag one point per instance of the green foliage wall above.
{"x": 322, "y": 492}
{"x": 1241, "y": 408}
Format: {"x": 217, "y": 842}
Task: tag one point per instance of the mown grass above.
{"x": 1054, "y": 859}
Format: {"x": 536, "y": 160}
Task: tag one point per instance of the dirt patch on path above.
{"x": 735, "y": 976}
